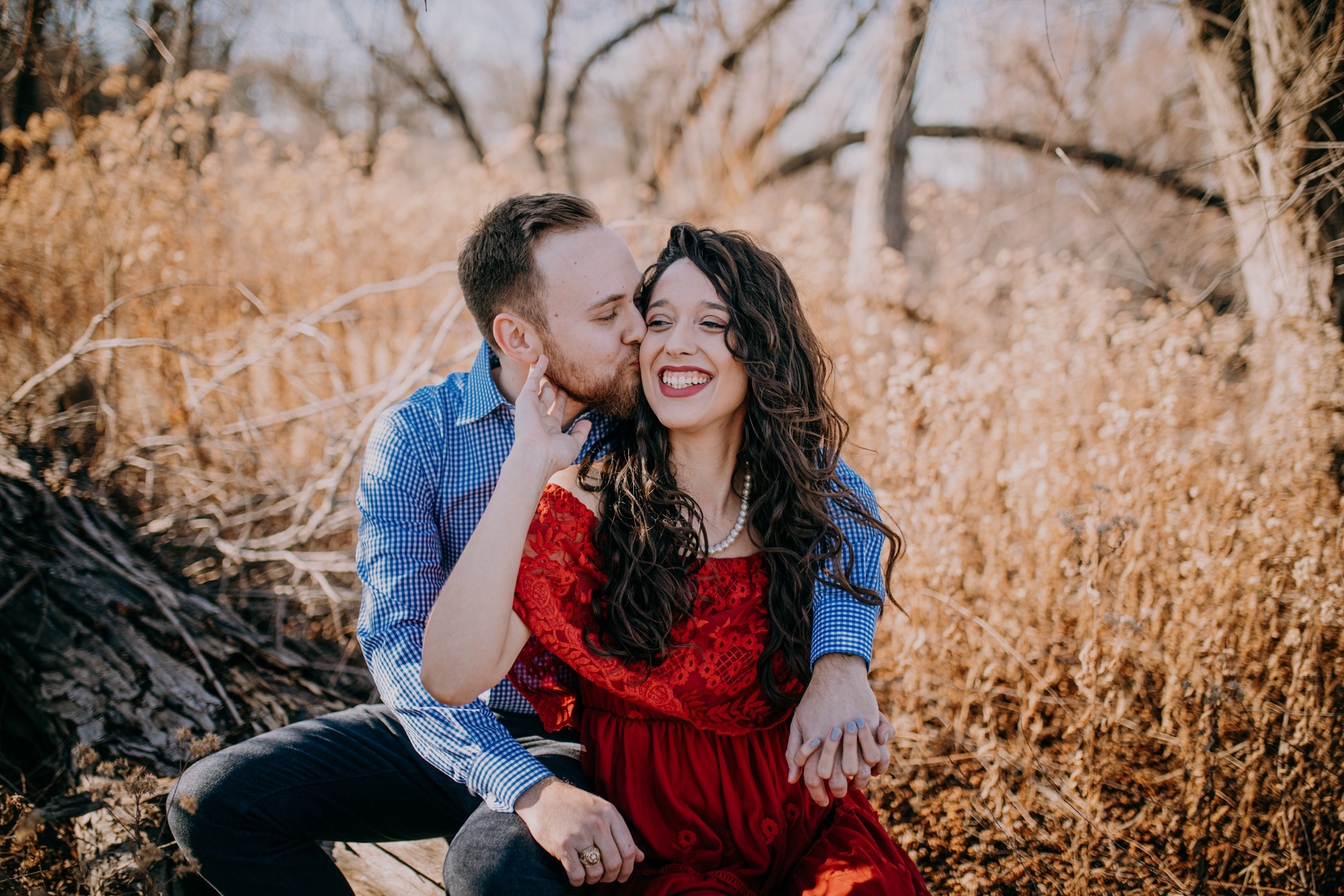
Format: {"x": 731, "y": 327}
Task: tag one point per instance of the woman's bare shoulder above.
{"x": 568, "y": 479}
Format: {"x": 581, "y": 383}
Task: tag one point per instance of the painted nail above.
{"x": 861, "y": 723}
{"x": 852, "y": 728}
{"x": 815, "y": 742}
{"x": 835, "y": 734}
{"x": 886, "y": 736}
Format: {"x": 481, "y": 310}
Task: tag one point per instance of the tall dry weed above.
{"x": 1125, "y": 583}
{"x": 1118, "y": 665}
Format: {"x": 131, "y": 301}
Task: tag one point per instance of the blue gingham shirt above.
{"x": 429, "y": 471}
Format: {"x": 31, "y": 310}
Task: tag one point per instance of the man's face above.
{"x": 593, "y": 329}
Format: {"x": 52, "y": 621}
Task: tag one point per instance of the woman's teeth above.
{"x": 685, "y": 380}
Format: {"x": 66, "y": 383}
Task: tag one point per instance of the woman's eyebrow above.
{"x": 714, "y": 306}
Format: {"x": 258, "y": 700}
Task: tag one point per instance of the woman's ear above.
{"x": 517, "y": 338}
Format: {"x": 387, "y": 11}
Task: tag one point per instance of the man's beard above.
{"x": 616, "y": 395}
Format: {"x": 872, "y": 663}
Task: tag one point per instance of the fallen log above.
{"x": 99, "y": 644}
{"x": 101, "y": 647}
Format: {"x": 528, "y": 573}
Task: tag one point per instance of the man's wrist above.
{"x": 532, "y": 795}
{"x": 840, "y": 664}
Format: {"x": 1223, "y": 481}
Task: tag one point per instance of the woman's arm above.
{"x": 473, "y": 636}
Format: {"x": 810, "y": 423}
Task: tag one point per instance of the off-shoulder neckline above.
{"x": 592, "y": 518}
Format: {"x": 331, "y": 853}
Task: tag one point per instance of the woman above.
{"x": 662, "y": 600}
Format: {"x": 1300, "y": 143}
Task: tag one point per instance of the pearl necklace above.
{"x": 741, "y": 520}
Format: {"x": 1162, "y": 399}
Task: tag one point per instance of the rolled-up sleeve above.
{"x": 840, "y": 622}
{"x": 401, "y": 564}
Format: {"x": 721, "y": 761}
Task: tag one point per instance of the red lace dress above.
{"x": 691, "y": 752}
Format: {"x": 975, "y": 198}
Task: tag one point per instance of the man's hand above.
{"x": 837, "y": 734}
{"x": 565, "y": 821}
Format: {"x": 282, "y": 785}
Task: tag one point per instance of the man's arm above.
{"x": 400, "y": 561}
{"x": 837, "y": 727}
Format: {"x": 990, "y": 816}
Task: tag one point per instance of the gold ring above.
{"x": 591, "y": 856}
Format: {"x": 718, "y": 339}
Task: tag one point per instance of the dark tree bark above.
{"x": 27, "y": 95}
{"x": 100, "y": 646}
{"x": 156, "y": 39}
{"x": 879, "y": 217}
{"x": 544, "y": 82}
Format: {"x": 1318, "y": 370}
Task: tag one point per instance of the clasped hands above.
{"x": 837, "y": 737}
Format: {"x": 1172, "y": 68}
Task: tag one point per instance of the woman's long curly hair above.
{"x": 651, "y": 534}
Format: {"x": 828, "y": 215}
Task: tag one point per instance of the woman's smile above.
{"x": 683, "y": 382}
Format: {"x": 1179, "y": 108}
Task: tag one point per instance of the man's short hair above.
{"x": 497, "y": 266}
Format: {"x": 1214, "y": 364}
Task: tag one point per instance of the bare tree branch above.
{"x": 727, "y": 65}
{"x": 1110, "y": 161}
{"x": 572, "y": 94}
{"x": 451, "y": 102}
{"x": 539, "y": 110}
{"x": 778, "y": 116}
{"x": 438, "y": 91}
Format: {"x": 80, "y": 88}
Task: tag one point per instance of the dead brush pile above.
{"x": 1119, "y": 665}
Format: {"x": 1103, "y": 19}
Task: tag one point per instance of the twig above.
{"x": 307, "y": 410}
{"x": 307, "y": 323}
{"x": 401, "y": 381}
{"x": 82, "y": 345}
{"x": 18, "y": 587}
{"x": 988, "y": 629}
{"x": 1090, "y": 198}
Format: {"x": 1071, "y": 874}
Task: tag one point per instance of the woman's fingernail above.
{"x": 886, "y": 736}
{"x": 852, "y": 728}
{"x": 835, "y": 734}
{"x": 861, "y": 723}
{"x": 815, "y": 742}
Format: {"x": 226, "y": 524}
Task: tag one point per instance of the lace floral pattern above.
{"x": 710, "y": 681}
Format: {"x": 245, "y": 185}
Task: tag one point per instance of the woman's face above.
{"x": 691, "y": 379}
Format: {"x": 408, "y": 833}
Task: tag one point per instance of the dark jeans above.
{"x": 262, "y": 807}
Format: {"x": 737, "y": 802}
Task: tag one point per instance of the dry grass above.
{"x": 1119, "y": 665}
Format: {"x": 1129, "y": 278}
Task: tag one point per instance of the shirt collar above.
{"x": 481, "y": 395}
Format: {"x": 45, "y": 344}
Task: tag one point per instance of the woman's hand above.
{"x": 539, "y": 435}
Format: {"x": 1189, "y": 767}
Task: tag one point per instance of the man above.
{"x": 538, "y": 271}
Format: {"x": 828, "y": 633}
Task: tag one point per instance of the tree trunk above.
{"x": 1264, "y": 69}
{"x": 27, "y": 97}
{"x": 879, "y": 218}
{"x": 100, "y": 647}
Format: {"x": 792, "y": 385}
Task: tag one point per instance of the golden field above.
{"x": 1117, "y": 664}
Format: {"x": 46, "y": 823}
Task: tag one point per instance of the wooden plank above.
{"x": 404, "y": 869}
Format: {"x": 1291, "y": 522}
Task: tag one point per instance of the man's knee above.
{"x": 490, "y": 854}
{"x": 495, "y": 852}
{"x": 206, "y": 798}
